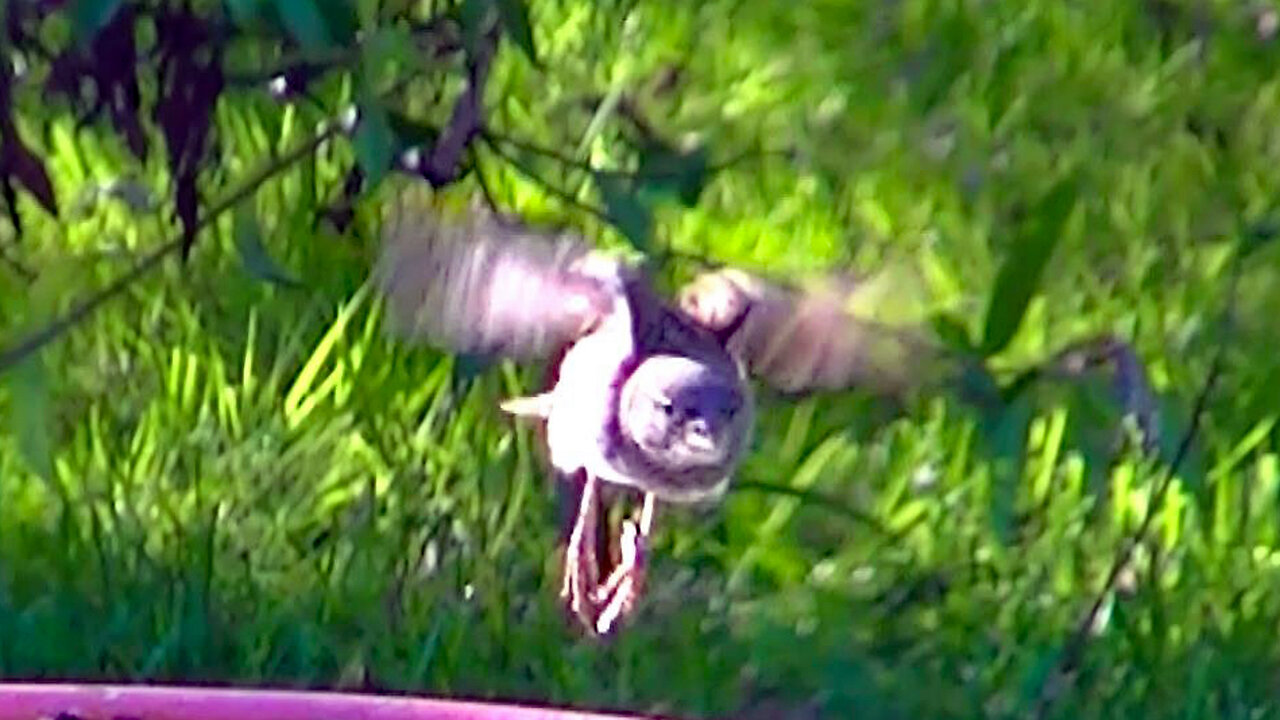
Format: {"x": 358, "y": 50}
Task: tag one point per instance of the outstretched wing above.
{"x": 480, "y": 284}
{"x": 800, "y": 339}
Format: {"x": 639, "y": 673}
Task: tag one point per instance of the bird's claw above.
{"x": 601, "y": 605}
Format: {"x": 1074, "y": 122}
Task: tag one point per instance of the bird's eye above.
{"x": 698, "y": 427}
{"x": 666, "y": 406}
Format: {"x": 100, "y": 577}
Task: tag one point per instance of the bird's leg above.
{"x": 615, "y": 599}
{"x": 581, "y": 564}
{"x": 599, "y": 606}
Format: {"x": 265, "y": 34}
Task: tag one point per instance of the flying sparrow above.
{"x": 648, "y": 396}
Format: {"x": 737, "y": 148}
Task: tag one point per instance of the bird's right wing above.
{"x": 803, "y": 339}
{"x": 480, "y": 284}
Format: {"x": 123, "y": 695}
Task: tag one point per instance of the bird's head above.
{"x": 688, "y": 416}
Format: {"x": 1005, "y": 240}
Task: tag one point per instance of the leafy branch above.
{"x": 20, "y": 350}
{"x": 190, "y": 84}
{"x": 101, "y": 73}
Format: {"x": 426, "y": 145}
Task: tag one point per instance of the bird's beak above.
{"x": 528, "y": 406}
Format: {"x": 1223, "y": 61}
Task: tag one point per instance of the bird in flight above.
{"x": 650, "y": 397}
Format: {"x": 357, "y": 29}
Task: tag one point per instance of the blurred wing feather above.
{"x": 806, "y": 339}
{"x": 478, "y": 284}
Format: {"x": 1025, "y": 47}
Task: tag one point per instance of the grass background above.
{"x": 255, "y": 485}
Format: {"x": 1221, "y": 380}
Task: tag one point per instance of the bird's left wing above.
{"x": 476, "y": 283}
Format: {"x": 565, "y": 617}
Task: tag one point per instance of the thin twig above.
{"x": 662, "y": 255}
{"x": 1071, "y": 655}
{"x": 485, "y": 191}
{"x": 492, "y": 138}
{"x": 564, "y": 195}
{"x": 745, "y": 155}
{"x": 821, "y": 500}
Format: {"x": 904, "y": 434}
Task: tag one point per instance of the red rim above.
{"x": 41, "y": 701}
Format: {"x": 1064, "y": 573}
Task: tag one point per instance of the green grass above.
{"x": 256, "y": 485}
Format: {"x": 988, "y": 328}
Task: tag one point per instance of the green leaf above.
{"x": 1092, "y": 418}
{"x": 374, "y": 141}
{"x": 62, "y": 276}
{"x": 1019, "y": 277}
{"x": 262, "y": 15}
{"x": 514, "y": 16}
{"x": 1004, "y": 430}
{"x": 306, "y": 23}
{"x": 625, "y": 209}
{"x": 411, "y": 132}
{"x": 467, "y": 368}
{"x": 952, "y": 331}
{"x": 31, "y": 414}
{"x": 1037, "y": 673}
{"x": 665, "y": 170}
{"x": 1258, "y": 235}
{"x": 1175, "y": 423}
{"x": 388, "y": 47}
{"x": 474, "y": 15}
{"x": 244, "y": 12}
{"x": 975, "y": 385}
{"x": 253, "y": 253}
{"x": 89, "y": 16}
{"x": 339, "y": 20}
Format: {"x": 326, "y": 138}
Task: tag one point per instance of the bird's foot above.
{"x": 601, "y": 605}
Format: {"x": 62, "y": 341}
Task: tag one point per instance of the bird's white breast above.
{"x": 585, "y": 396}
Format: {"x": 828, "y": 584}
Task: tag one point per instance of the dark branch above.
{"x": 442, "y": 166}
